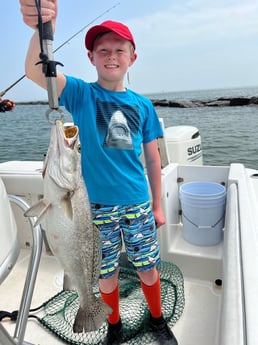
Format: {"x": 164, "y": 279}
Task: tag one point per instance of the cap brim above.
{"x": 92, "y": 34}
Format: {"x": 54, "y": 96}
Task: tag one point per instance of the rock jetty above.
{"x": 219, "y": 102}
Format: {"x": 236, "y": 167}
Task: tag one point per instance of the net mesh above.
{"x": 60, "y": 310}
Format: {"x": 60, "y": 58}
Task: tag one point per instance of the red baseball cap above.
{"x": 107, "y": 26}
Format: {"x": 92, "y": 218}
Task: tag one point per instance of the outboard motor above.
{"x": 184, "y": 145}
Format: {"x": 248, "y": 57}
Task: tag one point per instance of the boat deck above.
{"x": 220, "y": 281}
{"x": 202, "y": 303}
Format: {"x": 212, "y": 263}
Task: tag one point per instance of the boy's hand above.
{"x": 159, "y": 217}
{"x": 30, "y": 13}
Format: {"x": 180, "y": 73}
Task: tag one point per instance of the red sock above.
{"x": 112, "y": 299}
{"x": 153, "y": 298}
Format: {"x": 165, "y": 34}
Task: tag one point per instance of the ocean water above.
{"x": 229, "y": 134}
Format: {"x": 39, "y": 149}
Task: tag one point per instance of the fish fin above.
{"x": 38, "y": 210}
{"x": 91, "y": 318}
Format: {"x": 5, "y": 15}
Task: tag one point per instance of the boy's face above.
{"x": 112, "y": 55}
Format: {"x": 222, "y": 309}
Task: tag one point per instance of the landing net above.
{"x": 60, "y": 310}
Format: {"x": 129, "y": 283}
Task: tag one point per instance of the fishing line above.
{"x": 64, "y": 43}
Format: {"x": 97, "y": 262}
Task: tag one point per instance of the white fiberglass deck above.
{"x": 196, "y": 325}
{"x": 213, "y": 314}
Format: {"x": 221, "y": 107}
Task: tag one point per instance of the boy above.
{"x": 113, "y": 123}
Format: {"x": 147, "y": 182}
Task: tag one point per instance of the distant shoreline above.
{"x": 217, "y": 102}
{"x": 32, "y": 103}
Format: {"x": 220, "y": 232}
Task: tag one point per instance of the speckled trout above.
{"x": 72, "y": 236}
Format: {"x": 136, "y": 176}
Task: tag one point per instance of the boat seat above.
{"x": 9, "y": 252}
{"x": 10, "y": 248}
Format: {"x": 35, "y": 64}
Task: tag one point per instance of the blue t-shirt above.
{"x": 112, "y": 127}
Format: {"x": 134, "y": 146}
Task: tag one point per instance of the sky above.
{"x": 181, "y": 44}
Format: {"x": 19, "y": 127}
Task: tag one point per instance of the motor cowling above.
{"x": 184, "y": 145}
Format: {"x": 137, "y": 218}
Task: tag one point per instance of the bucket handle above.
{"x": 204, "y": 226}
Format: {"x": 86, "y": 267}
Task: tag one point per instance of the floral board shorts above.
{"x": 136, "y": 226}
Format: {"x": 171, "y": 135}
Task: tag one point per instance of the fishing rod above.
{"x": 64, "y": 43}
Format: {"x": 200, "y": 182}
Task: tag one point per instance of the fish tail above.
{"x": 92, "y": 317}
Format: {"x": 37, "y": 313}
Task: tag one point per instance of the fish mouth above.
{"x": 62, "y": 141}
{"x": 71, "y": 132}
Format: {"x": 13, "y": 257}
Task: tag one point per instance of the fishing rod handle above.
{"x": 47, "y": 33}
{"x": 49, "y": 68}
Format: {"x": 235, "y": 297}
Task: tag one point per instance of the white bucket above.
{"x": 203, "y": 212}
